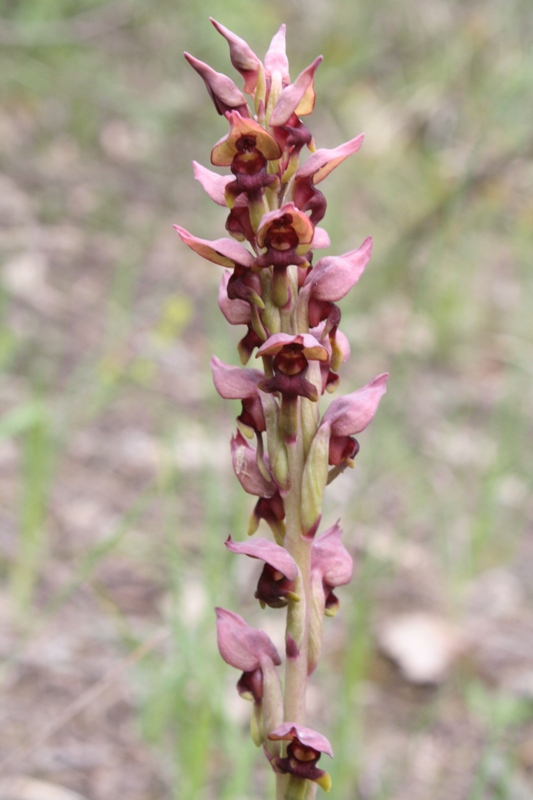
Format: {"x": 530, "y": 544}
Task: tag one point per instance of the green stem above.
{"x": 300, "y": 550}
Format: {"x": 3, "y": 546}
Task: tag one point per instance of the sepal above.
{"x": 298, "y": 97}
{"x": 242, "y": 646}
{"x": 333, "y": 276}
{"x": 276, "y": 586}
{"x": 251, "y": 478}
{"x": 226, "y": 252}
{"x": 276, "y": 58}
{"x": 351, "y": 414}
{"x": 212, "y": 183}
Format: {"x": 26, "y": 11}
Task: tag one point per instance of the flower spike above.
{"x": 286, "y": 449}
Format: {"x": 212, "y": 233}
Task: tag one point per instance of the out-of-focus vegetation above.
{"x": 116, "y": 490}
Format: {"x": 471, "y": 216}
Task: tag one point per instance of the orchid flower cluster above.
{"x": 284, "y": 452}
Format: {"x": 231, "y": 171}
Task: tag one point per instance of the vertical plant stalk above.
{"x": 300, "y": 549}
{"x": 284, "y": 452}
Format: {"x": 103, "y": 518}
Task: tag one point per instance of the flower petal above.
{"x": 323, "y": 161}
{"x": 312, "y": 349}
{"x": 321, "y": 239}
{"x": 235, "y": 383}
{"x": 289, "y": 731}
{"x": 226, "y": 252}
{"x": 351, "y": 414}
{"x": 333, "y": 276}
{"x": 293, "y": 217}
{"x": 330, "y": 558}
{"x": 225, "y": 149}
{"x": 240, "y": 645}
{"x": 298, "y": 95}
{"x": 213, "y": 183}
{"x": 266, "y": 551}
{"x": 276, "y": 57}
{"x": 244, "y": 459}
{"x": 237, "y": 312}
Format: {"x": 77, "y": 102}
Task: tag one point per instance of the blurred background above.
{"x": 116, "y": 488}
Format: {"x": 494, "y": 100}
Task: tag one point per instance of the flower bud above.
{"x": 276, "y": 58}
{"x": 223, "y": 92}
{"x": 242, "y": 57}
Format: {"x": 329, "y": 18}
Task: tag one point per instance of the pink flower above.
{"x": 291, "y": 360}
{"x": 349, "y": 415}
{"x": 256, "y": 480}
{"x": 237, "y": 312}
{"x": 243, "y": 284}
{"x": 251, "y": 478}
{"x": 236, "y": 383}
{"x": 247, "y": 649}
{"x": 332, "y": 278}
{"x": 276, "y": 584}
{"x": 292, "y": 137}
{"x": 305, "y": 195}
{"x": 331, "y": 566}
{"x": 245, "y": 141}
{"x": 247, "y": 149}
{"x": 338, "y": 348}
{"x": 287, "y": 234}
{"x": 303, "y": 752}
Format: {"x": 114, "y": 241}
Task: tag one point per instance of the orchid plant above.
{"x": 284, "y": 452}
